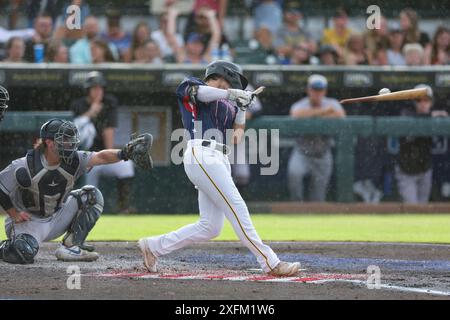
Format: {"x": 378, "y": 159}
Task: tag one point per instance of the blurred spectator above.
{"x": 166, "y": 37}
{"x": 439, "y": 51}
{"x": 394, "y": 53}
{"x": 140, "y": 36}
{"x": 147, "y": 53}
{"x": 414, "y": 54}
{"x": 85, "y": 10}
{"x": 96, "y": 119}
{"x": 377, "y": 43}
{"x": 100, "y": 52}
{"x": 206, "y": 25}
{"x": 328, "y": 55}
{"x": 22, "y": 33}
{"x": 13, "y": 13}
{"x": 35, "y": 8}
{"x": 312, "y": 154}
{"x": 300, "y": 54}
{"x": 414, "y": 161}
{"x": 70, "y": 36}
{"x": 43, "y": 26}
{"x": 80, "y": 51}
{"x": 355, "y": 52}
{"x": 291, "y": 34}
{"x": 339, "y": 35}
{"x": 15, "y": 50}
{"x": 264, "y": 45}
{"x": 115, "y": 35}
{"x": 269, "y": 14}
{"x": 409, "y": 23}
{"x": 195, "y": 50}
{"x": 218, "y": 6}
{"x": 57, "y": 52}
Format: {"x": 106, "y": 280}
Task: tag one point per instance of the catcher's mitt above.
{"x": 138, "y": 150}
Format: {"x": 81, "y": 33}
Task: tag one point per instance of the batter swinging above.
{"x": 219, "y": 102}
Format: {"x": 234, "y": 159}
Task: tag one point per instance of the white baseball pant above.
{"x": 209, "y": 170}
{"x": 414, "y": 188}
{"x": 49, "y": 228}
{"x": 120, "y": 170}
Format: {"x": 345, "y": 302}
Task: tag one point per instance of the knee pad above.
{"x": 90, "y": 207}
{"x": 19, "y": 250}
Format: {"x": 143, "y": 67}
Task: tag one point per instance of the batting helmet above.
{"x": 229, "y": 71}
{"x": 65, "y": 135}
{"x": 4, "y": 98}
{"x": 94, "y": 78}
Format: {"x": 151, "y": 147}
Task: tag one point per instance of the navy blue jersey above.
{"x": 219, "y": 114}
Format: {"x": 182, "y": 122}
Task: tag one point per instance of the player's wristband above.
{"x": 121, "y": 155}
{"x": 240, "y": 117}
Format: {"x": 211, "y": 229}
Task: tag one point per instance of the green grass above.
{"x": 427, "y": 228}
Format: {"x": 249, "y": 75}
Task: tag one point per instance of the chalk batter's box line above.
{"x": 230, "y": 277}
{"x": 357, "y": 279}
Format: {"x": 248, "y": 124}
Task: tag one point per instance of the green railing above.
{"x": 345, "y": 131}
{"x": 30, "y": 121}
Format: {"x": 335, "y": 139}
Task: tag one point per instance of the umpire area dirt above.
{"x": 227, "y": 270}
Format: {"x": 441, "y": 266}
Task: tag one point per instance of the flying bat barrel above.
{"x": 411, "y": 94}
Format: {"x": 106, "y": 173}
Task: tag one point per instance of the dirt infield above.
{"x": 226, "y": 270}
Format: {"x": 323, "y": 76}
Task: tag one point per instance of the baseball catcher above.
{"x": 36, "y": 192}
{"x": 4, "y": 98}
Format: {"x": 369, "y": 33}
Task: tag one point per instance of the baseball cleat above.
{"x": 75, "y": 253}
{"x": 150, "y": 259}
{"x": 285, "y": 269}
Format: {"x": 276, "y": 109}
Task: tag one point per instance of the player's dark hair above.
{"x": 434, "y": 52}
{"x": 412, "y": 35}
{"x": 212, "y": 77}
{"x": 44, "y": 14}
{"x": 134, "y": 40}
{"x": 108, "y": 55}
{"x": 40, "y": 145}
{"x": 11, "y": 40}
{"x": 52, "y": 50}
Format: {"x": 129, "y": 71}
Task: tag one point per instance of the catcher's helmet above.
{"x": 229, "y": 71}
{"x": 94, "y": 78}
{"x": 4, "y": 98}
{"x": 65, "y": 135}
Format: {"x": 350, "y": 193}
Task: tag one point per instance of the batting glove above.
{"x": 242, "y": 98}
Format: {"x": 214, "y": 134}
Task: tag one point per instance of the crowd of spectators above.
{"x": 280, "y": 36}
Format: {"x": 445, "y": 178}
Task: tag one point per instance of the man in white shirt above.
{"x": 312, "y": 154}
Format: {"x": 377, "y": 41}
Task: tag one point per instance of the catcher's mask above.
{"x": 65, "y": 136}
{"x": 4, "y": 98}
